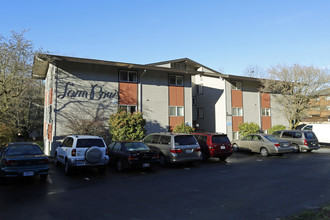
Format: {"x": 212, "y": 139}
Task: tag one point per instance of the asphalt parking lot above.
{"x": 247, "y": 186}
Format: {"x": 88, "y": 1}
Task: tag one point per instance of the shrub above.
{"x": 247, "y": 128}
{"x": 276, "y": 128}
{"x": 183, "y": 128}
{"x": 127, "y": 126}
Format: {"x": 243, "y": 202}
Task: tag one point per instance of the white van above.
{"x": 322, "y": 131}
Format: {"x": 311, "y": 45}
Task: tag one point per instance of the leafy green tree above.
{"x": 183, "y": 128}
{"x": 276, "y": 128}
{"x": 126, "y": 126}
{"x": 247, "y": 128}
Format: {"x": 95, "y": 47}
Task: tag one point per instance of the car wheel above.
{"x": 295, "y": 148}
{"x": 120, "y": 165}
{"x": 309, "y": 150}
{"x": 67, "y": 167}
{"x": 235, "y": 147}
{"x": 43, "y": 177}
{"x": 264, "y": 152}
{"x": 56, "y": 160}
{"x": 162, "y": 160}
{"x": 222, "y": 158}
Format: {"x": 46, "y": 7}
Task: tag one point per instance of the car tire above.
{"x": 43, "y": 177}
{"x": 67, "y": 167}
{"x": 235, "y": 147}
{"x": 296, "y": 148}
{"x": 93, "y": 154}
{"x": 56, "y": 161}
{"x": 264, "y": 152}
{"x": 119, "y": 165}
{"x": 309, "y": 150}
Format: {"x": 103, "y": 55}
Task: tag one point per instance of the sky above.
{"x": 225, "y": 35}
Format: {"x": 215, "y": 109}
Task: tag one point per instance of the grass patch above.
{"x": 314, "y": 214}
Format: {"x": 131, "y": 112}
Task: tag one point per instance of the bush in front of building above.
{"x": 183, "y": 128}
{"x": 247, "y": 128}
{"x": 126, "y": 126}
{"x": 276, "y": 128}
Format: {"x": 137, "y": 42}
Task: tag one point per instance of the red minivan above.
{"x": 214, "y": 145}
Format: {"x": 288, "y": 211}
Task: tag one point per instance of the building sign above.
{"x": 94, "y": 93}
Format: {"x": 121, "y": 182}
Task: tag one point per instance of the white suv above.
{"x": 82, "y": 150}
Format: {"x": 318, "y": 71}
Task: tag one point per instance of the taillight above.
{"x": 106, "y": 151}
{"x": 155, "y": 156}
{"x": 198, "y": 149}
{"x": 10, "y": 162}
{"x": 176, "y": 150}
{"x": 133, "y": 157}
{"x": 73, "y": 152}
{"x": 43, "y": 161}
{"x": 210, "y": 147}
{"x": 277, "y": 145}
{"x": 305, "y": 142}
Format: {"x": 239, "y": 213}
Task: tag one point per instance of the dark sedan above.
{"x": 131, "y": 155}
{"x": 22, "y": 160}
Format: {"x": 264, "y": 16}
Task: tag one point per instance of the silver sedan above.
{"x": 263, "y": 144}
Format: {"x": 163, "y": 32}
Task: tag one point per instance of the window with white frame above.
{"x": 128, "y": 108}
{"x": 199, "y": 89}
{"x": 235, "y": 135}
{"x": 265, "y": 111}
{"x": 176, "y": 80}
{"x": 176, "y": 111}
{"x": 327, "y": 98}
{"x": 127, "y": 76}
{"x": 237, "y": 111}
{"x": 328, "y": 108}
{"x": 200, "y": 113}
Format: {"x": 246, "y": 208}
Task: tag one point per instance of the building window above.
{"x": 199, "y": 89}
{"x": 235, "y": 135}
{"x": 265, "y": 111}
{"x": 176, "y": 80}
{"x": 176, "y": 111}
{"x": 328, "y": 108}
{"x": 127, "y": 76}
{"x": 237, "y": 112}
{"x": 193, "y": 100}
{"x": 180, "y": 66}
{"x": 237, "y": 85}
{"x": 327, "y": 98}
{"x": 200, "y": 113}
{"x": 128, "y": 108}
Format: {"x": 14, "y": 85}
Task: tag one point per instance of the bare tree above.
{"x": 255, "y": 71}
{"x": 295, "y": 87}
{"x": 21, "y": 97}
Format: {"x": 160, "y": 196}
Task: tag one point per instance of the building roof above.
{"x": 41, "y": 64}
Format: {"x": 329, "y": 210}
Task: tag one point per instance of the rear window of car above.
{"x": 184, "y": 140}
{"x": 135, "y": 146}
{"x": 218, "y": 139}
{"x": 20, "y": 150}
{"x": 271, "y": 138}
{"x": 83, "y": 143}
{"x": 310, "y": 135}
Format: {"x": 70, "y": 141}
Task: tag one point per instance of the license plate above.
{"x": 285, "y": 145}
{"x": 189, "y": 151}
{"x": 223, "y": 147}
{"x": 28, "y": 173}
{"x": 146, "y": 165}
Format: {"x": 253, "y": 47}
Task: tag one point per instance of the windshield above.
{"x": 135, "y": 146}
{"x": 184, "y": 140}
{"x": 219, "y": 139}
{"x": 82, "y": 143}
{"x": 20, "y": 150}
